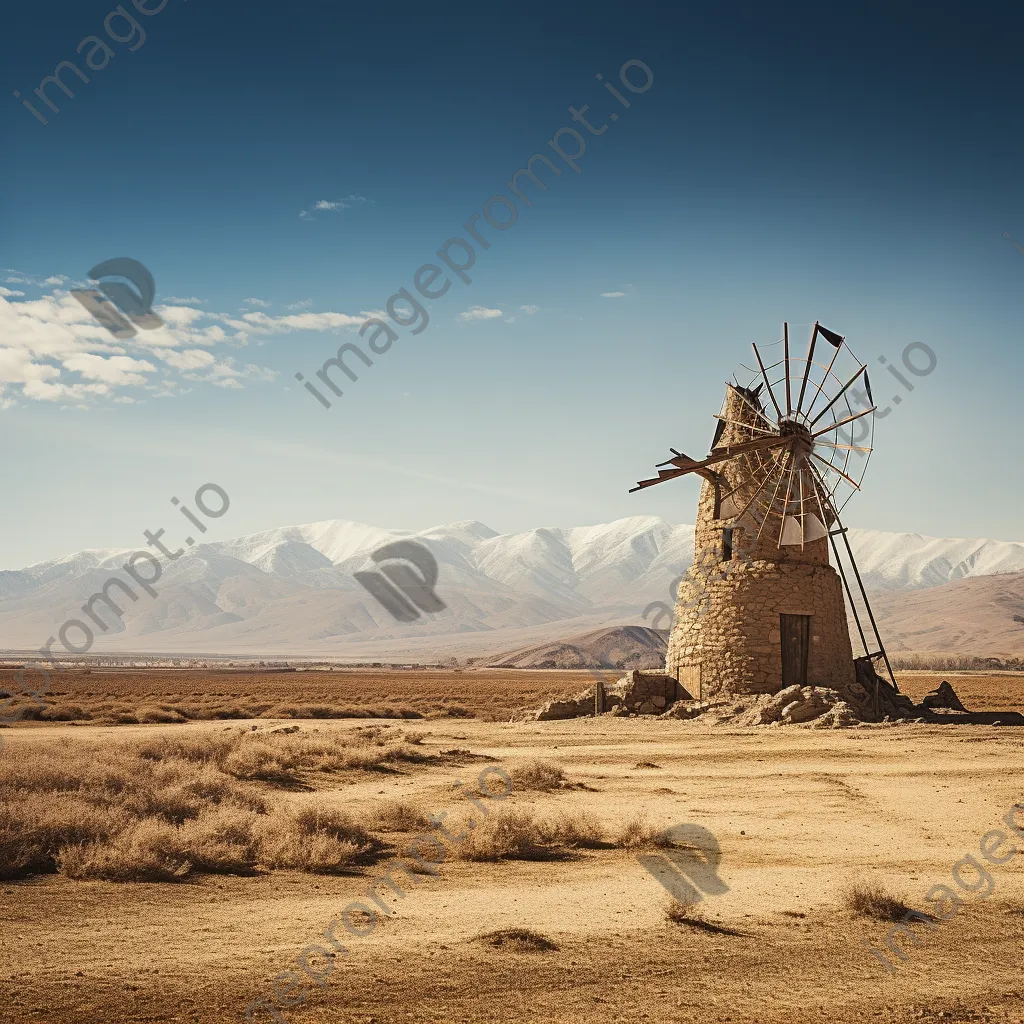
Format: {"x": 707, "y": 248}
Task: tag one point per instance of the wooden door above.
{"x": 796, "y": 640}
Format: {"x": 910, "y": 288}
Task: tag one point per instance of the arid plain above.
{"x": 800, "y": 815}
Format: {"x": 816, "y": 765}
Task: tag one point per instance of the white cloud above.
{"x": 479, "y": 313}
{"x": 189, "y": 301}
{"x": 260, "y": 372}
{"x": 180, "y": 316}
{"x": 530, "y": 310}
{"x": 613, "y": 295}
{"x": 333, "y": 205}
{"x": 51, "y": 349}
{"x": 304, "y": 304}
{"x": 301, "y": 321}
{"x": 189, "y": 359}
{"x": 257, "y": 302}
{"x": 116, "y": 370}
{"x": 56, "y": 281}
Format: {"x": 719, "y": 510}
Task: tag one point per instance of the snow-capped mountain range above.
{"x": 291, "y": 591}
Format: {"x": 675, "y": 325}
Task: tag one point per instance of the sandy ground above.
{"x": 798, "y": 814}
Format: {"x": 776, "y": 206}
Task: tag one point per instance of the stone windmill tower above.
{"x": 762, "y": 608}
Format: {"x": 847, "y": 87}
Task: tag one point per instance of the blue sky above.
{"x": 283, "y": 174}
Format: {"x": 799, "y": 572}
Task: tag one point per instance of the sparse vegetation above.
{"x": 571, "y": 830}
{"x": 519, "y": 835}
{"x": 639, "y": 834}
{"x": 539, "y": 775}
{"x": 519, "y": 940}
{"x": 872, "y": 900}
{"x": 399, "y": 816}
{"x": 165, "y": 807}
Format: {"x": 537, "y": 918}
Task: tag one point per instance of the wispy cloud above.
{"x": 257, "y": 302}
{"x": 479, "y": 313}
{"x": 191, "y": 300}
{"x": 333, "y": 205}
{"x": 52, "y": 350}
{"x": 619, "y": 294}
{"x": 304, "y": 304}
{"x": 530, "y": 310}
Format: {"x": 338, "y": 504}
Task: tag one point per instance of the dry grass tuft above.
{"x": 580, "y": 829}
{"x": 872, "y": 900}
{"x": 539, "y": 775}
{"x": 518, "y": 940}
{"x": 505, "y": 835}
{"x": 518, "y": 835}
{"x": 166, "y": 807}
{"x": 639, "y": 834}
{"x": 399, "y": 816}
{"x": 320, "y": 840}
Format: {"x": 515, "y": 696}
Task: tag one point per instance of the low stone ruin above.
{"x": 870, "y": 699}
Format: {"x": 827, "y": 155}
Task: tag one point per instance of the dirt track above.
{"x": 798, "y": 814}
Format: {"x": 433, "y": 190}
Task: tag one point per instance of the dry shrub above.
{"x": 150, "y": 851}
{"x": 539, "y": 775}
{"x": 572, "y": 830}
{"x": 869, "y": 899}
{"x": 36, "y": 827}
{"x": 505, "y": 835}
{"x": 399, "y": 816}
{"x": 318, "y": 839}
{"x": 64, "y": 713}
{"x": 639, "y": 834}
{"x": 518, "y": 940}
{"x": 162, "y": 715}
{"x": 257, "y": 759}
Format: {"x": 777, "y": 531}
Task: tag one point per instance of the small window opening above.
{"x": 727, "y": 544}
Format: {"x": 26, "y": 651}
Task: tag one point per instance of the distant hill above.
{"x": 983, "y": 616}
{"x": 620, "y": 647}
{"x": 291, "y": 592}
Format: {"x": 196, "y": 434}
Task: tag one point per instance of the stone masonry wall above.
{"x": 730, "y": 627}
{"x": 727, "y": 624}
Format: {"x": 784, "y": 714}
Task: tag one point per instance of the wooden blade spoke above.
{"x": 807, "y": 368}
{"x": 789, "y": 394}
{"x": 839, "y": 423}
{"x": 782, "y": 476}
{"x": 757, "y": 412}
{"x": 846, "y": 447}
{"x": 836, "y": 469}
{"x": 842, "y": 391}
{"x": 828, "y": 370}
{"x": 747, "y": 426}
{"x": 767, "y": 382}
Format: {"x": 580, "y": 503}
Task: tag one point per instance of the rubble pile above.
{"x": 870, "y": 699}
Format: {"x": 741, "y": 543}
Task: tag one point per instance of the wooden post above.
{"x": 598, "y": 697}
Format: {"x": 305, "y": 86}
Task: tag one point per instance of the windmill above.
{"x": 785, "y": 459}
